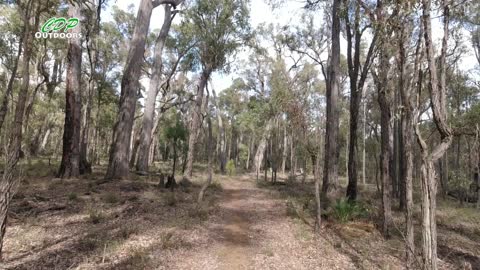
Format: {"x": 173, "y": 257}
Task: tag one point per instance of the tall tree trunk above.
{"x": 119, "y": 150}
{"x": 209, "y": 162}
{"x": 70, "y": 165}
{"x": 9, "y": 181}
{"x": 385, "y": 160}
{"x": 357, "y": 78}
{"x": 293, "y": 164}
{"x": 330, "y": 165}
{"x": 249, "y": 153}
{"x": 285, "y": 149}
{"x": 13, "y": 75}
{"x": 318, "y": 216}
{"x": 136, "y": 143}
{"x": 195, "y": 123}
{"x": 478, "y": 165}
{"x": 384, "y": 100}
{"x": 45, "y": 138}
{"x": 221, "y": 139}
{"x": 174, "y": 157}
{"x": 152, "y": 151}
{"x": 364, "y": 150}
{"x": 85, "y": 165}
{"x": 437, "y": 89}
{"x": 409, "y": 122}
{"x": 384, "y": 92}
{"x": 262, "y": 145}
{"x": 153, "y": 89}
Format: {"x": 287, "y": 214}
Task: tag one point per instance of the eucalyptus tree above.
{"x": 153, "y": 89}
{"x": 9, "y": 43}
{"x": 70, "y": 164}
{"x": 330, "y": 162}
{"x": 437, "y": 90}
{"x": 221, "y": 27}
{"x": 93, "y": 14}
{"x": 357, "y": 72}
{"x": 408, "y": 74}
{"x": 232, "y": 103}
{"x": 174, "y": 132}
{"x": 118, "y": 166}
{"x": 30, "y": 14}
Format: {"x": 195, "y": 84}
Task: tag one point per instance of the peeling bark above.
{"x": 153, "y": 89}
{"x": 118, "y": 165}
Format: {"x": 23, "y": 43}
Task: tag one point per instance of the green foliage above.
{"x": 220, "y": 26}
{"x": 72, "y": 196}
{"x": 459, "y": 180}
{"x": 175, "y": 130}
{"x": 345, "y": 211}
{"x": 231, "y": 170}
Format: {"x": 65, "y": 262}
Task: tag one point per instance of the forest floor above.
{"x": 92, "y": 224}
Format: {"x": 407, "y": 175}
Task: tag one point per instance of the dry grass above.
{"x": 91, "y": 224}
{"x": 88, "y": 223}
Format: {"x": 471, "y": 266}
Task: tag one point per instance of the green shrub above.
{"x": 231, "y": 170}
{"x": 72, "y": 196}
{"x": 345, "y": 211}
{"x": 458, "y": 180}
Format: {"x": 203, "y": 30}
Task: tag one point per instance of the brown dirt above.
{"x": 89, "y": 224}
{"x": 252, "y": 231}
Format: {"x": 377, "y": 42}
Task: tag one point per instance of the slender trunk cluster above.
{"x": 9, "y": 180}
{"x": 357, "y": 77}
{"x": 118, "y": 166}
{"x": 196, "y": 122}
{"x": 153, "y": 89}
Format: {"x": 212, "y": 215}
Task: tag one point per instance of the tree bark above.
{"x": 357, "y": 77}
{"x": 259, "y": 155}
{"x": 210, "y": 162}
{"x": 318, "y": 216}
{"x": 70, "y": 165}
{"x": 285, "y": 149}
{"x": 385, "y": 159}
{"x": 9, "y": 181}
{"x": 119, "y": 150}
{"x": 221, "y": 139}
{"x": 409, "y": 122}
{"x": 330, "y": 165}
{"x": 8, "y": 91}
{"x": 195, "y": 122}
{"x": 437, "y": 89}
{"x": 384, "y": 100}
{"x": 153, "y": 89}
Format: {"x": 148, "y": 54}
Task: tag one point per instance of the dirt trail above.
{"x": 251, "y": 230}
{"x": 236, "y": 252}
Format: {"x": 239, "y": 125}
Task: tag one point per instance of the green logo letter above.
{"x": 47, "y": 25}
{"x": 60, "y": 23}
{"x": 72, "y": 22}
